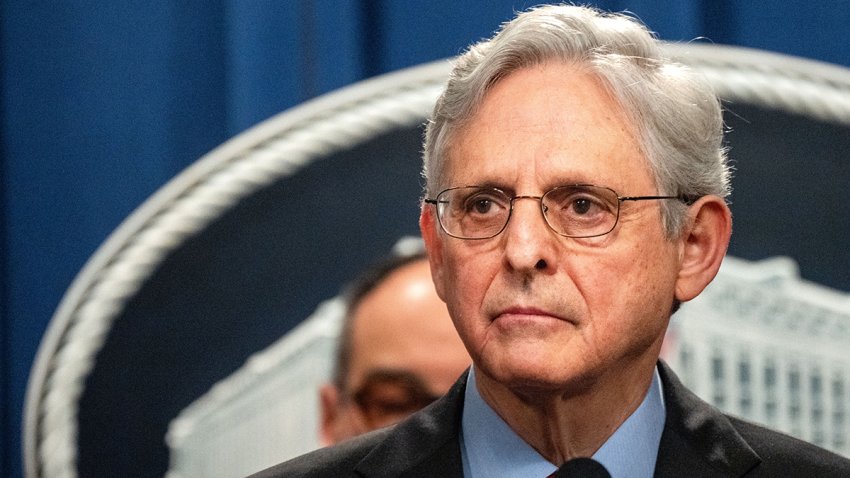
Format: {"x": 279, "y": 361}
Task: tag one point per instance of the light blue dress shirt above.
{"x": 490, "y": 448}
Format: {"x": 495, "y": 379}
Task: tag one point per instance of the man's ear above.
{"x": 430, "y": 236}
{"x": 329, "y": 405}
{"x": 704, "y": 245}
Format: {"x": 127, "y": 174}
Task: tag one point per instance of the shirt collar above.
{"x": 490, "y": 448}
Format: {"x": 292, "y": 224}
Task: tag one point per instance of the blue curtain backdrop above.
{"x": 103, "y": 102}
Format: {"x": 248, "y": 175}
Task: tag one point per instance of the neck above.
{"x": 574, "y": 421}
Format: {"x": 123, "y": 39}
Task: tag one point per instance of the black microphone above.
{"x": 581, "y": 468}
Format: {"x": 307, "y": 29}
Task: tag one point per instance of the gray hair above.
{"x": 676, "y": 113}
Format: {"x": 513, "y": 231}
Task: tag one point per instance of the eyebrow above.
{"x": 486, "y": 184}
{"x": 569, "y": 179}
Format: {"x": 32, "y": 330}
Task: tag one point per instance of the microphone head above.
{"x": 582, "y": 468}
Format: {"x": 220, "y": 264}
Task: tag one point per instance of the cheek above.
{"x": 348, "y": 423}
{"x": 467, "y": 277}
{"x": 653, "y": 290}
{"x": 629, "y": 295}
{"x": 466, "y": 274}
{"x": 654, "y": 277}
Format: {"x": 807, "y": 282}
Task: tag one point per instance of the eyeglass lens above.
{"x": 386, "y": 397}
{"x": 573, "y": 211}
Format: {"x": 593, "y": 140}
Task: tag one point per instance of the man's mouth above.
{"x": 527, "y": 313}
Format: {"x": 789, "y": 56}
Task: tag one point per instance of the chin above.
{"x": 537, "y": 373}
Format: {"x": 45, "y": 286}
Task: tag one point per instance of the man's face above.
{"x": 405, "y": 353}
{"x": 538, "y": 311}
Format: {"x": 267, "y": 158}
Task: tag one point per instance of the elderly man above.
{"x": 575, "y": 196}
{"x": 398, "y": 351}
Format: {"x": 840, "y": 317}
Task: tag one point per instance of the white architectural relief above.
{"x": 265, "y": 412}
{"x": 765, "y": 345}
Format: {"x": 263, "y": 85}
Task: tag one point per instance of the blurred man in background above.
{"x": 398, "y": 350}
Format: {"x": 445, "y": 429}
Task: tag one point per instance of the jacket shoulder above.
{"x": 701, "y": 441}
{"x": 784, "y": 455}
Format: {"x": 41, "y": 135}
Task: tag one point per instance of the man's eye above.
{"x": 481, "y": 206}
{"x": 396, "y": 406}
{"x": 582, "y": 206}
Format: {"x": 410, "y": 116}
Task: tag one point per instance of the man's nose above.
{"x": 529, "y": 241}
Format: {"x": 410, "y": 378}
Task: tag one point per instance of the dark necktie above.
{"x": 581, "y": 468}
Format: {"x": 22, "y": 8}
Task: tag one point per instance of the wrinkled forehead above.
{"x": 554, "y": 121}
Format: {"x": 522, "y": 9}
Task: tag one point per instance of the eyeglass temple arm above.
{"x": 685, "y": 198}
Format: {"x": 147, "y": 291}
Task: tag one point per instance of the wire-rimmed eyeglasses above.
{"x": 578, "y": 210}
{"x": 385, "y": 397}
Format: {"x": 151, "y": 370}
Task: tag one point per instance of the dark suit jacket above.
{"x": 698, "y": 441}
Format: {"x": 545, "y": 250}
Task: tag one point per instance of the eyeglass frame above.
{"x": 687, "y": 199}
{"x": 374, "y": 413}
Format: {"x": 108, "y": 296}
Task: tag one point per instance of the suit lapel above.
{"x": 424, "y": 445}
{"x": 698, "y": 440}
